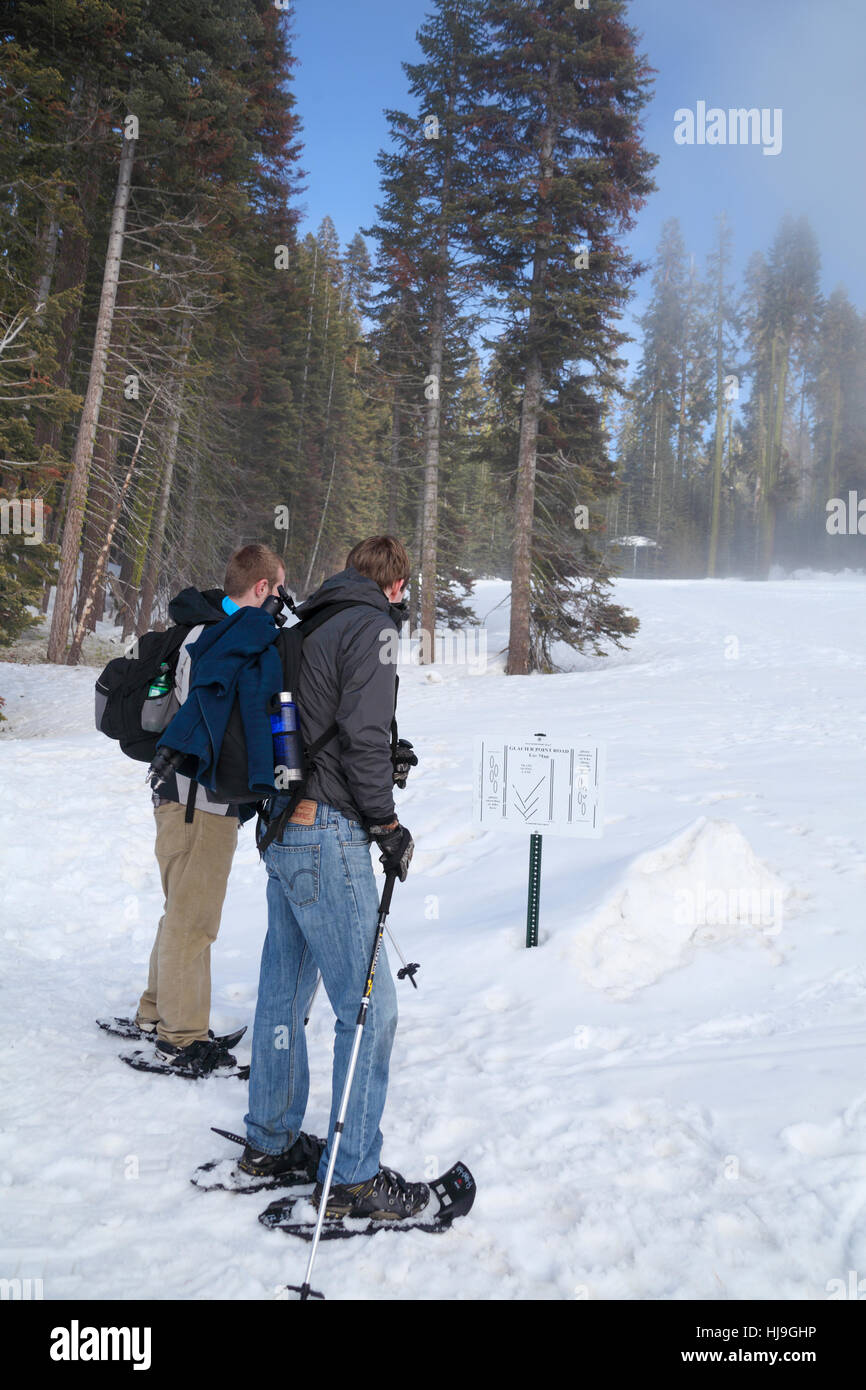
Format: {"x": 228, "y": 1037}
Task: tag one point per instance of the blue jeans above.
{"x": 322, "y": 916}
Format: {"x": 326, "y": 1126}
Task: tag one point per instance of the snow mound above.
{"x": 703, "y": 887}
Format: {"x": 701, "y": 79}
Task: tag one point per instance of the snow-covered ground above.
{"x": 665, "y": 1100}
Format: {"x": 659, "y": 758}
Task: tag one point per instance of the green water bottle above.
{"x": 161, "y": 703}
{"x": 161, "y": 685}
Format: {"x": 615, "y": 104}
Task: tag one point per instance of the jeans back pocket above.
{"x": 298, "y": 870}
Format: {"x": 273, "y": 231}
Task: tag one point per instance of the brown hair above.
{"x": 382, "y": 559}
{"x": 250, "y": 564}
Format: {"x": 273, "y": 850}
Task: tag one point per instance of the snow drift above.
{"x": 704, "y": 887}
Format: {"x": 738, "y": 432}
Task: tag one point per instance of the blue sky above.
{"x": 806, "y": 57}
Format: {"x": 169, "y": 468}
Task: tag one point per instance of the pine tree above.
{"x": 722, "y": 324}
{"x": 784, "y": 303}
{"x": 421, "y": 236}
{"x": 659, "y": 382}
{"x": 837, "y": 388}
{"x": 564, "y": 89}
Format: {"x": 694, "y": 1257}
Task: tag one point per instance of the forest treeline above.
{"x": 746, "y": 419}
{"x": 183, "y": 371}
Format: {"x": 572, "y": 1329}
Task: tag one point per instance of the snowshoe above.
{"x": 128, "y": 1028}
{"x": 204, "y": 1057}
{"x": 385, "y": 1202}
{"x": 256, "y": 1171}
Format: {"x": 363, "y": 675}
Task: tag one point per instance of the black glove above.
{"x": 165, "y": 762}
{"x": 404, "y": 760}
{"x": 396, "y": 846}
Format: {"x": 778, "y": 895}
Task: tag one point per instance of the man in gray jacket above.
{"x": 322, "y": 899}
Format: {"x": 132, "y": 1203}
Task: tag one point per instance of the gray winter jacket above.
{"x": 349, "y": 676}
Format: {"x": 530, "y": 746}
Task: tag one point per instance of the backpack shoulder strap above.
{"x": 183, "y": 670}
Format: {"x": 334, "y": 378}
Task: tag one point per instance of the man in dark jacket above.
{"x": 322, "y": 899}
{"x": 196, "y": 838}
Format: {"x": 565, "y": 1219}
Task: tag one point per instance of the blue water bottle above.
{"x": 288, "y": 748}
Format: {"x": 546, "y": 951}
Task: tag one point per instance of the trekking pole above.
{"x": 408, "y": 971}
{"x": 384, "y": 906}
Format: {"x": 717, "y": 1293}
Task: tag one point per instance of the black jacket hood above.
{"x": 350, "y": 585}
{"x": 193, "y": 606}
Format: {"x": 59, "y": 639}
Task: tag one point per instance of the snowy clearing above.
{"x": 665, "y": 1100}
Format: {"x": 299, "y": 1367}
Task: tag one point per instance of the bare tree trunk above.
{"x": 72, "y": 271}
{"x": 128, "y": 589}
{"x": 97, "y": 512}
{"x": 761, "y": 482}
{"x": 430, "y": 524}
{"x": 430, "y": 521}
{"x": 101, "y": 561}
{"x": 102, "y": 487}
{"x": 48, "y": 257}
{"x": 774, "y": 461}
{"x": 394, "y": 466}
{"x": 521, "y": 569}
{"x": 137, "y": 540}
{"x": 832, "y": 481}
{"x": 519, "y": 643}
{"x": 660, "y": 410}
{"x": 148, "y": 586}
{"x": 325, "y": 438}
{"x": 715, "y": 516}
{"x": 303, "y": 400}
{"x": 190, "y": 502}
{"x": 685, "y": 366}
{"x": 415, "y": 596}
{"x": 83, "y": 454}
{"x": 321, "y": 524}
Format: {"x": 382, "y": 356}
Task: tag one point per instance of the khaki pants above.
{"x": 195, "y": 860}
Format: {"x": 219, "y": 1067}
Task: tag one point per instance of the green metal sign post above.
{"x": 534, "y": 890}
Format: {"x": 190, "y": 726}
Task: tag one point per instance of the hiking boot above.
{"x": 197, "y": 1058}
{"x": 385, "y": 1197}
{"x": 302, "y": 1158}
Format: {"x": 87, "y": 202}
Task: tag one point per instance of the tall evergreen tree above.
{"x": 565, "y": 89}
{"x": 784, "y": 304}
{"x": 421, "y": 231}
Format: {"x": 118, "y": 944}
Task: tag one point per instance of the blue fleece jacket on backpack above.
{"x": 233, "y": 658}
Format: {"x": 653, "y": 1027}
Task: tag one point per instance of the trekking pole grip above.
{"x": 387, "y": 891}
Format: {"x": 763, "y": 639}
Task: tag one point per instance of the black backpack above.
{"x": 123, "y": 709}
